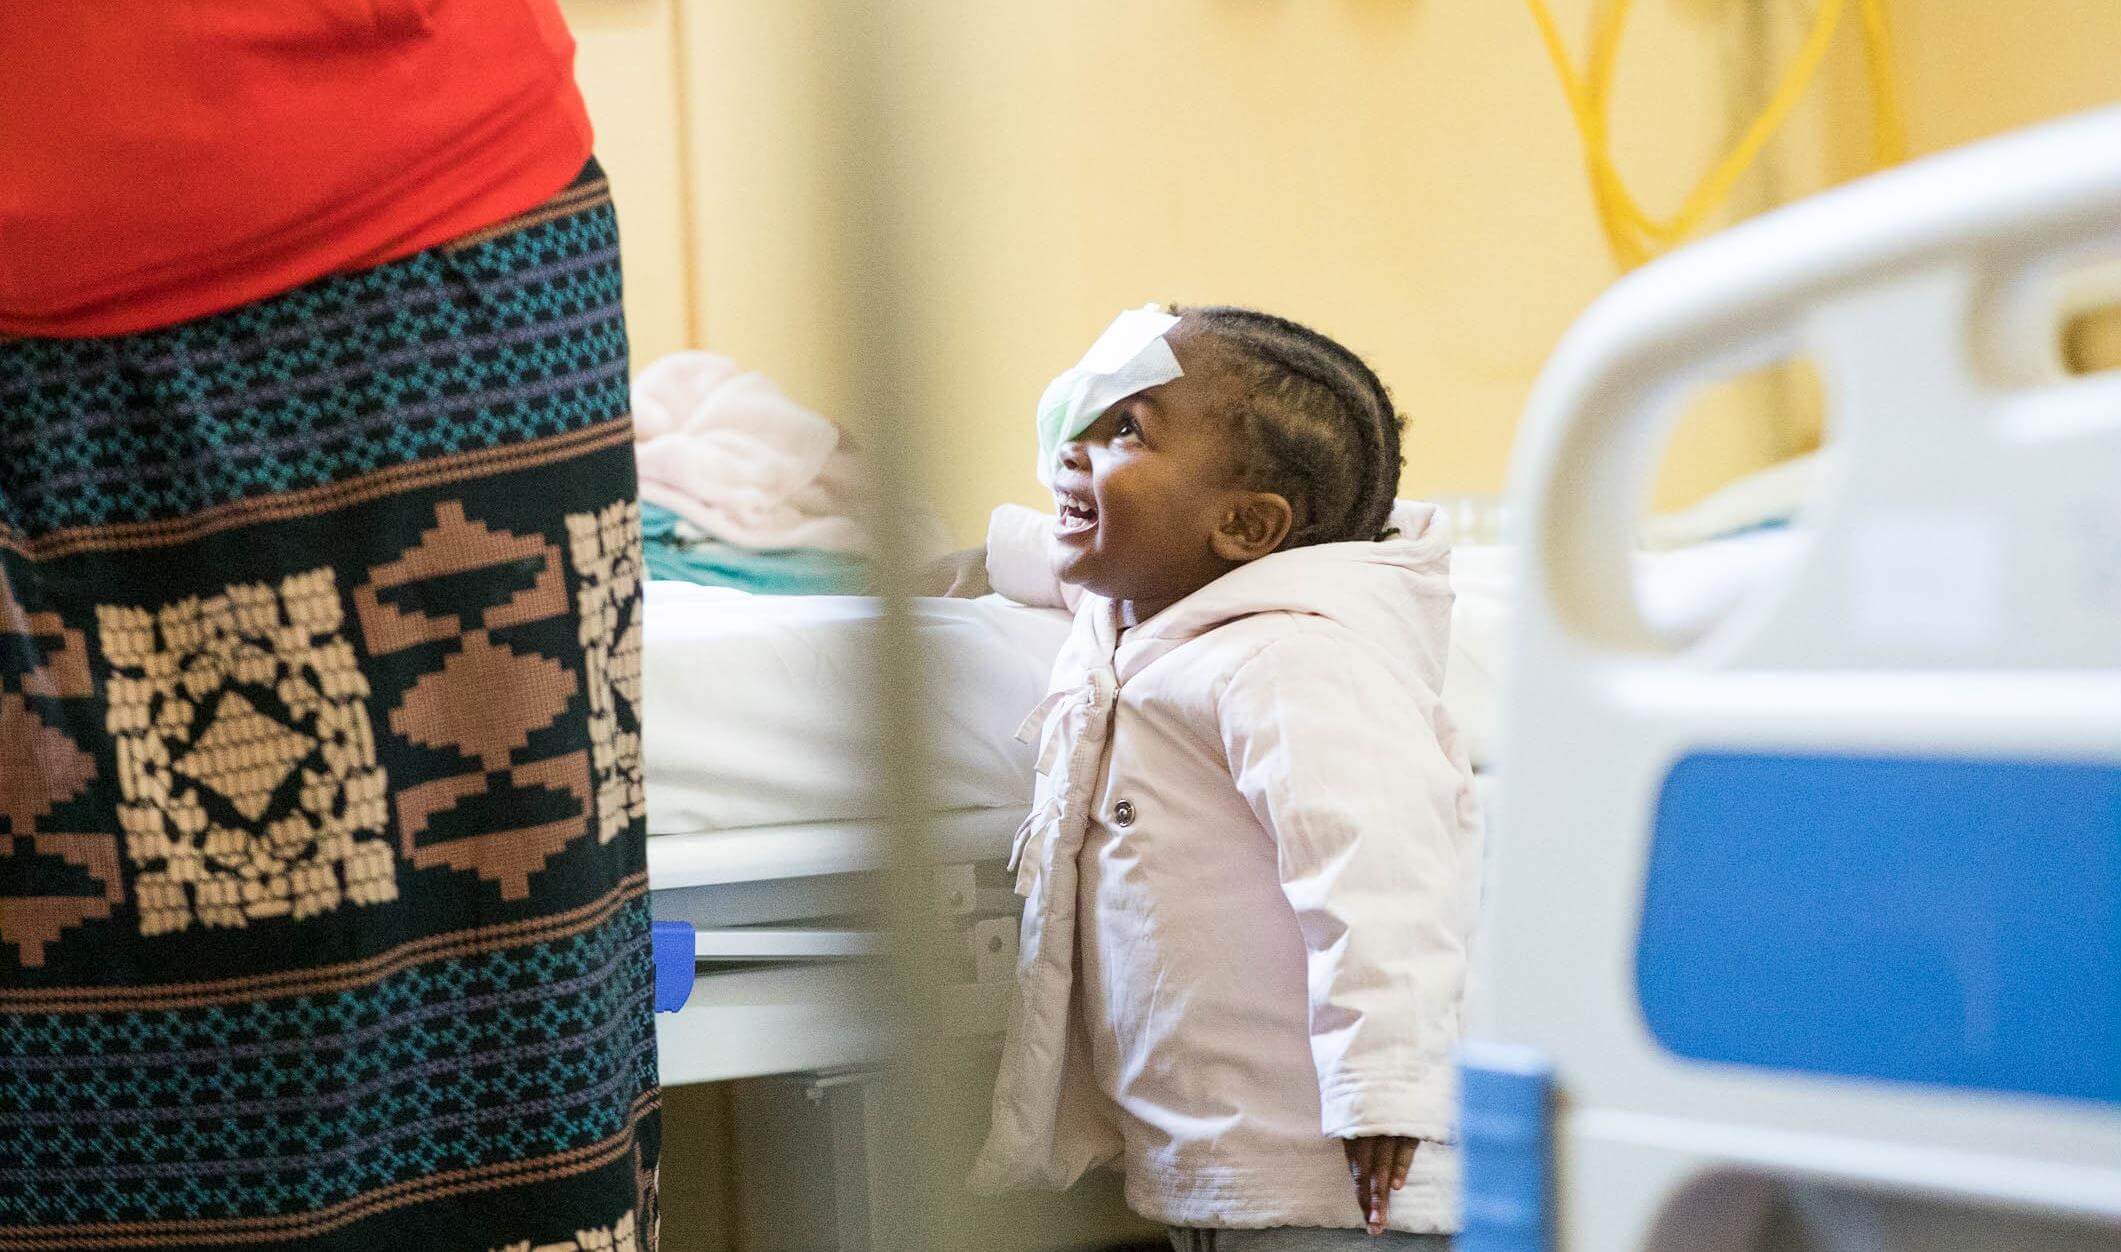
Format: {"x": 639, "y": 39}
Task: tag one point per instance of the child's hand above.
{"x": 968, "y": 574}
{"x": 960, "y": 575}
{"x": 1378, "y": 1164}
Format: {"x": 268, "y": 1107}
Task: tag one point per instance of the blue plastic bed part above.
{"x": 672, "y": 944}
{"x": 1946, "y": 921}
{"x": 1506, "y": 1145}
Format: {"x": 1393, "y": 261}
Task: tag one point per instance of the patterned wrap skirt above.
{"x": 322, "y": 856}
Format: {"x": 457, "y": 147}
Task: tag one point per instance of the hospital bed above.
{"x": 1812, "y": 920}
{"x": 765, "y": 830}
{"x": 765, "y": 835}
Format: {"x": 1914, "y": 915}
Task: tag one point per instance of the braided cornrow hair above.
{"x": 1319, "y": 425}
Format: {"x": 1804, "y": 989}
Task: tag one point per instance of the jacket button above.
{"x": 1123, "y": 812}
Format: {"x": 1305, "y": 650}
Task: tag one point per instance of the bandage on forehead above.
{"x": 1130, "y": 355}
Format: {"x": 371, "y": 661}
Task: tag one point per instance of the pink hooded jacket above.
{"x": 1251, "y": 874}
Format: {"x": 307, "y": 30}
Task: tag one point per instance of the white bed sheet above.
{"x": 757, "y": 709}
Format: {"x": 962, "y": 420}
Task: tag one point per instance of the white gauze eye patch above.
{"x": 1130, "y": 355}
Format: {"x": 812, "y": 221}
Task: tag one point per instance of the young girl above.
{"x": 1252, "y": 868}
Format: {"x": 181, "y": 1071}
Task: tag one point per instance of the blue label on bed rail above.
{"x": 672, "y": 945}
{"x": 1952, "y": 922}
{"x": 1506, "y": 1141}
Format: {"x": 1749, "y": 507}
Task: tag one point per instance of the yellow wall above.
{"x": 758, "y": 147}
{"x": 1400, "y": 173}
{"x": 1975, "y": 68}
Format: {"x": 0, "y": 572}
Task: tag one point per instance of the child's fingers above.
{"x": 1376, "y": 1167}
{"x": 1402, "y": 1161}
{"x": 1359, "y": 1154}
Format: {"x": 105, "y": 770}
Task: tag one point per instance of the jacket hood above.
{"x": 1394, "y": 592}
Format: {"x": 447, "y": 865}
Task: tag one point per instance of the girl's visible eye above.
{"x": 1126, "y": 426}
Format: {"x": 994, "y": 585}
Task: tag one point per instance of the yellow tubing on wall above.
{"x": 1633, "y": 235}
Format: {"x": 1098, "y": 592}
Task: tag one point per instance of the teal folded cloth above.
{"x": 786, "y": 572}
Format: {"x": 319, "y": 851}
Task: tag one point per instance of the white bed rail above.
{"x": 1929, "y": 297}
{"x": 1951, "y": 637}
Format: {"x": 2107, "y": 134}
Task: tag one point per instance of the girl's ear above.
{"x": 1252, "y": 525}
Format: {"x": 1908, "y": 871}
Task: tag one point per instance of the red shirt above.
{"x": 161, "y": 160}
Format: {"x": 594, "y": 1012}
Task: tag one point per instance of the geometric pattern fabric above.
{"x": 323, "y": 916}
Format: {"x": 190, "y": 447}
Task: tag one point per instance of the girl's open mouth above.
{"x": 1076, "y": 517}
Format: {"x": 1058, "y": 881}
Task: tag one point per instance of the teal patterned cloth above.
{"x": 787, "y": 572}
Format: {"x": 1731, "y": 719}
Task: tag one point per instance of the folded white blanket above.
{"x": 728, "y": 451}
{"x": 1774, "y": 496}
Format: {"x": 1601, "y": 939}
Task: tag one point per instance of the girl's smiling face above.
{"x": 1151, "y": 501}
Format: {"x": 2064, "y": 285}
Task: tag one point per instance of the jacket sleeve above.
{"x": 1340, "y": 761}
{"x": 1020, "y": 559}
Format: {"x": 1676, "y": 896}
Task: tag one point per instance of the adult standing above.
{"x": 322, "y": 865}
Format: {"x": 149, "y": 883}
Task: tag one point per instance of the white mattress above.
{"x": 757, "y": 707}
{"x": 808, "y": 850}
